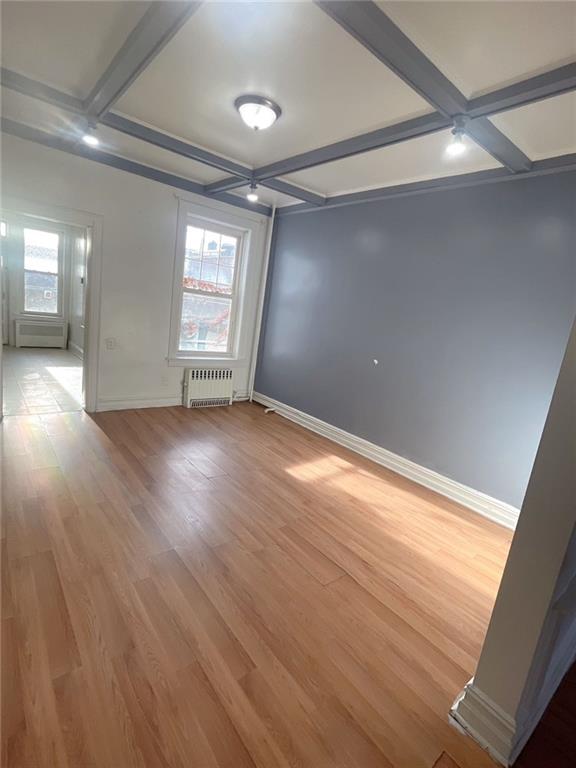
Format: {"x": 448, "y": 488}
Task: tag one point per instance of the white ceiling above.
{"x": 544, "y": 129}
{"x": 481, "y": 46}
{"x": 67, "y": 45}
{"x": 328, "y": 85}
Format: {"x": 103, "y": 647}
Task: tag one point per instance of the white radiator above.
{"x": 41, "y": 333}
{"x": 205, "y": 387}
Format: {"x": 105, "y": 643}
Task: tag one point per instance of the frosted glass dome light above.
{"x": 257, "y": 112}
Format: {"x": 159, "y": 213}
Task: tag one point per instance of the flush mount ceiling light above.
{"x": 252, "y": 195}
{"x": 457, "y": 146}
{"x": 257, "y": 112}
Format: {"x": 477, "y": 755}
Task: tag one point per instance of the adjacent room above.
{"x": 43, "y": 279}
{"x": 288, "y": 384}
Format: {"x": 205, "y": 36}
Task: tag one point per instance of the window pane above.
{"x": 192, "y": 269}
{"x": 228, "y": 251}
{"x": 40, "y": 292}
{"x": 41, "y": 251}
{"x": 205, "y": 323}
{"x": 211, "y": 243}
{"x": 209, "y": 261}
{"x": 225, "y": 278}
{"x": 194, "y": 237}
{"x": 40, "y": 271}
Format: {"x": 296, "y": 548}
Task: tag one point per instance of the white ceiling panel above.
{"x": 67, "y": 45}
{"x": 414, "y": 160}
{"x": 328, "y": 85}
{"x": 481, "y": 46}
{"x": 544, "y": 129}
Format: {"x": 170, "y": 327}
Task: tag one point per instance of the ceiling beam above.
{"x": 486, "y": 135}
{"x": 242, "y": 174}
{"x": 559, "y": 164}
{"x": 121, "y": 163}
{"x": 179, "y": 147}
{"x": 368, "y": 24}
{"x": 339, "y": 150}
{"x": 234, "y": 182}
{"x": 553, "y": 83}
{"x": 290, "y": 189}
{"x": 158, "y": 25}
{"x": 549, "y": 84}
{"x": 35, "y": 90}
{"x": 230, "y": 182}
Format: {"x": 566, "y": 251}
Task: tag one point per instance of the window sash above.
{"x": 231, "y": 297}
{"x": 215, "y": 294}
{"x": 59, "y": 275}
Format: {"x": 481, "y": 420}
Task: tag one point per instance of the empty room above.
{"x": 288, "y": 384}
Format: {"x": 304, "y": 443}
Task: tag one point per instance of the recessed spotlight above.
{"x": 90, "y": 139}
{"x": 257, "y": 112}
{"x": 252, "y": 196}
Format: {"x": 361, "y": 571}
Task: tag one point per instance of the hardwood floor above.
{"x": 223, "y": 589}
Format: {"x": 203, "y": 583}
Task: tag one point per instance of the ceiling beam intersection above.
{"x": 156, "y": 28}
{"x": 371, "y": 27}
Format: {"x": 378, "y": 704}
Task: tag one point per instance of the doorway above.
{"x": 44, "y": 284}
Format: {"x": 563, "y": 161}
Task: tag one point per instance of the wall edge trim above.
{"x": 484, "y": 721}
{"x": 111, "y": 404}
{"x": 487, "y": 506}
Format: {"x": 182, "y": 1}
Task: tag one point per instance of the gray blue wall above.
{"x": 465, "y": 298}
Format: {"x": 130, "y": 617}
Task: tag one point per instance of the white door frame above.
{"x": 94, "y": 224}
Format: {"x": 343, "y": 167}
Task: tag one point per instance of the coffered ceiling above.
{"x": 329, "y": 79}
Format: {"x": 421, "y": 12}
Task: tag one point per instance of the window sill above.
{"x": 211, "y": 362}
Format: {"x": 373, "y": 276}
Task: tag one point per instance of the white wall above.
{"x": 138, "y": 248}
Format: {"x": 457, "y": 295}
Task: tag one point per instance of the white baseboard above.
{"x": 493, "y": 509}
{"x": 76, "y": 350}
{"x": 105, "y": 404}
{"x": 479, "y": 717}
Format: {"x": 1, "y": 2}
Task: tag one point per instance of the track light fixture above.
{"x": 252, "y": 195}
{"x": 457, "y": 146}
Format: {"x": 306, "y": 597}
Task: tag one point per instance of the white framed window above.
{"x": 42, "y": 276}
{"x": 209, "y": 287}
